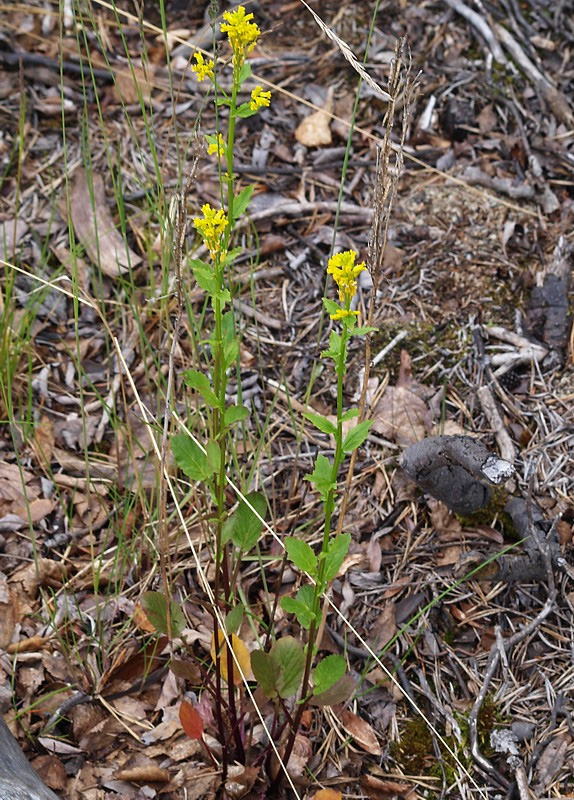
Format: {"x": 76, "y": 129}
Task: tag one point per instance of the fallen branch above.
{"x": 481, "y": 26}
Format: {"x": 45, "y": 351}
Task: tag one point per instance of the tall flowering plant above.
{"x": 236, "y": 533}
{"x": 287, "y": 669}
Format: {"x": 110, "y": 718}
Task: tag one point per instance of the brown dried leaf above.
{"x": 11, "y": 232}
{"x": 42, "y": 571}
{"x": 169, "y": 725}
{"x": 401, "y": 416}
{"x": 73, "y": 264}
{"x": 386, "y": 625}
{"x": 148, "y": 773}
{"x": 95, "y": 227}
{"x": 299, "y": 760}
{"x": 43, "y": 440}
{"x": 52, "y": 771}
{"x": 302, "y": 752}
{"x": 315, "y": 130}
{"x": 186, "y": 670}
{"x": 442, "y": 518}
{"x": 241, "y": 780}
{"x": 550, "y": 762}
{"x": 449, "y": 555}
{"x": 361, "y": 732}
{"x": 487, "y": 119}
{"x": 34, "y": 511}
{"x": 11, "y": 489}
{"x": 381, "y": 790}
{"x": 30, "y": 645}
{"x": 132, "y": 83}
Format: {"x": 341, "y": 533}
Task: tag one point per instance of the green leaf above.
{"x": 246, "y": 524}
{"x": 197, "y": 263}
{"x": 289, "y": 659}
{"x": 230, "y": 353}
{"x": 330, "y": 306}
{"x": 244, "y": 110}
{"x": 204, "y": 276}
{"x": 301, "y": 606}
{"x": 334, "y": 350}
{"x": 327, "y": 672}
{"x": 350, "y": 414}
{"x": 223, "y": 295}
{"x": 321, "y": 476}
{"x": 234, "y": 414}
{"x": 301, "y": 554}
{"x": 357, "y": 435}
{"x": 241, "y": 202}
{"x": 227, "y": 528}
{"x": 293, "y": 606}
{"x": 265, "y": 671}
{"x": 213, "y": 456}
{"x": 155, "y": 606}
{"x": 338, "y": 549}
{"x": 190, "y": 458}
{"x": 365, "y": 329}
{"x": 244, "y": 72}
{"x": 200, "y": 382}
{"x": 234, "y": 619}
{"x": 232, "y": 255}
{"x": 338, "y": 693}
{"x": 228, "y": 326}
{"x": 320, "y": 422}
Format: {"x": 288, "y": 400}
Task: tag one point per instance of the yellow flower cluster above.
{"x": 259, "y": 98}
{"x": 203, "y": 69}
{"x": 345, "y": 273}
{"x": 212, "y": 228}
{"x": 242, "y": 33}
{"x": 217, "y": 146}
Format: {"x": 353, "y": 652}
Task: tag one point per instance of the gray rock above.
{"x": 18, "y": 779}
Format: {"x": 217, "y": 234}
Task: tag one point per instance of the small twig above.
{"x": 481, "y": 26}
{"x": 492, "y": 414}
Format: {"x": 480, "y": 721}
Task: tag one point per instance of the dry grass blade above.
{"x": 347, "y": 53}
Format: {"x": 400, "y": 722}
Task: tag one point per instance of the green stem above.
{"x": 230, "y": 144}
{"x": 222, "y": 574}
{"x": 340, "y": 369}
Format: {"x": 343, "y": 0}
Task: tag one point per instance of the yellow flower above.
{"x": 203, "y": 69}
{"x": 216, "y": 145}
{"x": 212, "y": 228}
{"x": 343, "y": 313}
{"x": 259, "y": 98}
{"x": 345, "y": 272}
{"x": 242, "y": 33}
